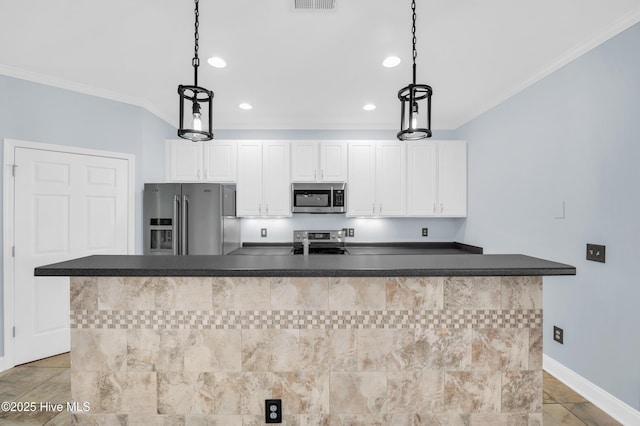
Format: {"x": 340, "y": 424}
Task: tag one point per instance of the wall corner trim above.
{"x": 608, "y": 403}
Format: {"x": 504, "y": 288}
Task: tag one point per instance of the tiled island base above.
{"x": 337, "y": 351}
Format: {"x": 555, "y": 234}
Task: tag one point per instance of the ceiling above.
{"x": 303, "y": 69}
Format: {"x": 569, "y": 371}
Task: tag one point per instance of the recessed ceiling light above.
{"x": 369, "y": 107}
{"x": 245, "y": 106}
{"x": 391, "y": 61}
{"x": 216, "y": 62}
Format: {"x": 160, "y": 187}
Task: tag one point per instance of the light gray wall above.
{"x": 573, "y": 137}
{"x": 40, "y": 113}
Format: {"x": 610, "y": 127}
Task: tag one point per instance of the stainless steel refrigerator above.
{"x": 190, "y": 218}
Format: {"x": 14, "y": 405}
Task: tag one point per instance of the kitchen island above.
{"x": 358, "y": 340}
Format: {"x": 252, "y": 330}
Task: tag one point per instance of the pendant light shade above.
{"x": 196, "y": 103}
{"x": 196, "y": 116}
{"x": 415, "y": 101}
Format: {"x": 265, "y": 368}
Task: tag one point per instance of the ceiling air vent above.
{"x": 315, "y": 4}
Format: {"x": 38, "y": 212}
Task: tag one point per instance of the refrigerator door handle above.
{"x": 185, "y": 225}
{"x": 175, "y": 226}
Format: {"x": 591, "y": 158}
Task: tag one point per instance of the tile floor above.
{"x": 47, "y": 380}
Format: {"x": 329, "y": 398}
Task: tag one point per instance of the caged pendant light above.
{"x": 415, "y": 100}
{"x": 196, "y": 117}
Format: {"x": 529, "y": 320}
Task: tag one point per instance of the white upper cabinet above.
{"x": 210, "y": 161}
{"x": 263, "y": 179}
{"x": 437, "y": 178}
{"x": 376, "y": 178}
{"x": 313, "y": 161}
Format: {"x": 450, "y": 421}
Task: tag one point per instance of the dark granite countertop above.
{"x": 307, "y": 266}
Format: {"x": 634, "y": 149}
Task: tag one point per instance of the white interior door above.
{"x": 66, "y": 206}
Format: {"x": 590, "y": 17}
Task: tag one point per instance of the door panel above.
{"x": 66, "y": 206}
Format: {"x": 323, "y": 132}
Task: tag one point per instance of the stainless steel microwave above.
{"x": 321, "y": 197}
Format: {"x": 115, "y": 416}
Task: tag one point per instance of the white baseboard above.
{"x": 608, "y": 403}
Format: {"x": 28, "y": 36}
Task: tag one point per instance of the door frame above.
{"x": 8, "y": 236}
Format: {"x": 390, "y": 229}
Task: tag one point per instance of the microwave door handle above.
{"x": 331, "y": 198}
{"x": 175, "y": 227}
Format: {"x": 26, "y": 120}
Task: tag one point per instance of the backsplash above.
{"x": 366, "y": 229}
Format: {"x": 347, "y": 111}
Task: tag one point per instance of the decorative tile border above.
{"x": 292, "y": 319}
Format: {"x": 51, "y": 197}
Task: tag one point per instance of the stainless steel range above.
{"x": 318, "y": 242}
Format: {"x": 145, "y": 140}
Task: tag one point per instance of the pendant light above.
{"x": 415, "y": 100}
{"x": 196, "y": 119}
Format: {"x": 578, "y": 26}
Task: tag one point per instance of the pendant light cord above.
{"x": 196, "y": 61}
{"x": 413, "y": 32}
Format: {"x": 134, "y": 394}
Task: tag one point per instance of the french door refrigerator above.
{"x": 189, "y": 219}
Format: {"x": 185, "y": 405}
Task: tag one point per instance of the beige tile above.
{"x": 98, "y": 349}
{"x": 415, "y": 391}
{"x": 241, "y": 393}
{"x": 251, "y": 293}
{"x": 521, "y": 392}
{"x": 84, "y": 293}
{"x": 386, "y": 350}
{"x": 472, "y": 391}
{"x": 502, "y": 420}
{"x": 213, "y": 350}
{"x": 257, "y": 420}
{"x": 444, "y": 419}
{"x": 535, "y": 348}
{"x": 521, "y": 292}
{"x": 357, "y": 293}
{"x": 335, "y": 350}
{"x": 181, "y": 393}
{"x": 155, "y": 420}
{"x": 140, "y": 393}
{"x": 472, "y": 293}
{"x": 415, "y": 293}
{"x": 500, "y": 349}
{"x": 358, "y": 393}
{"x": 300, "y": 293}
{"x": 444, "y": 348}
{"x": 126, "y": 294}
{"x": 84, "y": 419}
{"x": 85, "y": 387}
{"x": 302, "y": 392}
{"x": 180, "y": 293}
{"x": 202, "y": 420}
{"x": 270, "y": 350}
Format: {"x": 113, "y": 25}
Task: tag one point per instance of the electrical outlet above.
{"x": 273, "y": 411}
{"x": 558, "y": 335}
{"x": 263, "y": 232}
{"x": 425, "y": 232}
{"x": 595, "y": 252}
{"x": 352, "y": 232}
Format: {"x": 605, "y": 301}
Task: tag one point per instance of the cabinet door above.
{"x": 276, "y": 179}
{"x": 390, "y": 178}
{"x": 304, "y": 161}
{"x": 333, "y": 161}
{"x": 422, "y": 178}
{"x": 249, "y": 187}
{"x": 220, "y": 161}
{"x": 184, "y": 161}
{"x": 361, "y": 185}
{"x": 452, "y": 178}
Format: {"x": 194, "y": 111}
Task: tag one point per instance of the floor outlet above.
{"x": 273, "y": 411}
{"x": 558, "y": 335}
